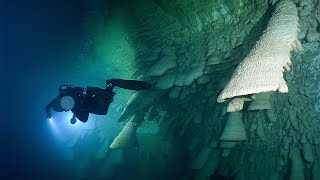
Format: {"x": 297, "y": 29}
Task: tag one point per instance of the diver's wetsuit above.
{"x": 93, "y": 99}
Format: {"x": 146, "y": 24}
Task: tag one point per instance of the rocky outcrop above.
{"x": 262, "y": 70}
{"x": 189, "y": 50}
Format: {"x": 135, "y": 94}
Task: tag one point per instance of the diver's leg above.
{"x": 128, "y": 84}
{"x": 81, "y": 114}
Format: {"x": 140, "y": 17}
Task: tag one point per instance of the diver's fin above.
{"x": 129, "y": 84}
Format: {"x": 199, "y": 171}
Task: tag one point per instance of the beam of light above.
{"x": 61, "y": 126}
{"x": 66, "y": 134}
{"x": 55, "y": 130}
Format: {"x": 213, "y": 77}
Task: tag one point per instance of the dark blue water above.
{"x": 37, "y": 36}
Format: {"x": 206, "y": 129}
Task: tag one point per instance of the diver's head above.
{"x": 64, "y": 88}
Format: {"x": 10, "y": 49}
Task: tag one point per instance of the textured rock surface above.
{"x": 189, "y": 50}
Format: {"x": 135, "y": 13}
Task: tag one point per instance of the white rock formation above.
{"x": 127, "y": 136}
{"x": 234, "y": 129}
{"x": 236, "y": 104}
{"x": 262, "y": 70}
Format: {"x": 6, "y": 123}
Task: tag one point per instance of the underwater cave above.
{"x": 235, "y": 90}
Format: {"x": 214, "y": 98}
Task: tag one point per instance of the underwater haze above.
{"x": 235, "y": 89}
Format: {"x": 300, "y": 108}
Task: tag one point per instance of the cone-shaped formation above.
{"x": 234, "y": 129}
{"x": 127, "y": 136}
{"x": 261, "y": 102}
{"x": 262, "y": 70}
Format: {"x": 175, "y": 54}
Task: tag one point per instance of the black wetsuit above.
{"x": 93, "y": 99}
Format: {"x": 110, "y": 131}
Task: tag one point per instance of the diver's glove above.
{"x": 48, "y": 115}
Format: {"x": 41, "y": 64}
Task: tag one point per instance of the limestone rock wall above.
{"x": 188, "y": 50}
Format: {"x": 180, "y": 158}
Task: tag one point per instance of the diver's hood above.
{"x": 67, "y": 103}
{"x": 63, "y": 89}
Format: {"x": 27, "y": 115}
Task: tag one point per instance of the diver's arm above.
{"x": 48, "y": 108}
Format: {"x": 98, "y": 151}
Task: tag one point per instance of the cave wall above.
{"x": 188, "y": 50}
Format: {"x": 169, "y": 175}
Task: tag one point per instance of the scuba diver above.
{"x": 82, "y": 101}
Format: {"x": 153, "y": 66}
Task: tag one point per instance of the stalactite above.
{"x": 191, "y": 66}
